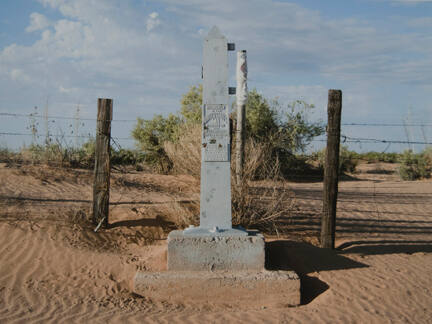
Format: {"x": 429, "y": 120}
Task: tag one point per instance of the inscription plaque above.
{"x": 215, "y": 141}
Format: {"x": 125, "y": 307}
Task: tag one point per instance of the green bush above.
{"x": 191, "y": 105}
{"x": 287, "y": 127}
{"x": 151, "y": 135}
{"x": 80, "y": 157}
{"x": 373, "y": 157}
{"x": 285, "y": 130}
{"x": 348, "y": 160}
{"x": 414, "y": 166}
{"x": 126, "y": 157}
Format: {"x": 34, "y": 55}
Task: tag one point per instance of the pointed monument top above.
{"x": 214, "y": 33}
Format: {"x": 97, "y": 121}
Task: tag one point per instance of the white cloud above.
{"x": 37, "y": 22}
{"x": 152, "y": 21}
{"x": 107, "y": 48}
{"x": 62, "y": 89}
{"x": 291, "y": 39}
{"x": 19, "y": 75}
{"x": 95, "y": 50}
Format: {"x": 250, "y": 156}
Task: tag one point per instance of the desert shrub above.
{"x": 348, "y": 160}
{"x": 151, "y": 136}
{"x": 260, "y": 204}
{"x": 414, "y": 166}
{"x": 191, "y": 102}
{"x": 427, "y": 155}
{"x": 261, "y": 118}
{"x": 255, "y": 204}
{"x": 284, "y": 130}
{"x": 373, "y": 157}
{"x": 126, "y": 157}
{"x": 9, "y": 156}
{"x": 274, "y": 135}
{"x": 58, "y": 154}
{"x": 85, "y": 155}
{"x": 47, "y": 153}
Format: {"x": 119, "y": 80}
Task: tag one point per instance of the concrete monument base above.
{"x": 237, "y": 288}
{"x": 203, "y": 250}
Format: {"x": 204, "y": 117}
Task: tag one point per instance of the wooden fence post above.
{"x": 241, "y": 97}
{"x": 102, "y": 168}
{"x": 331, "y": 169}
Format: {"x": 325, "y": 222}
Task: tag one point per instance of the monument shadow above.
{"x": 305, "y": 259}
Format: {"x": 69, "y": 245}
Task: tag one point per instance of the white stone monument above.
{"x": 215, "y": 205}
{"x": 198, "y": 248}
{"x": 215, "y": 263}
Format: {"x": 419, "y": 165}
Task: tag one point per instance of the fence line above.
{"x": 59, "y": 117}
{"x": 32, "y": 115}
{"x": 61, "y": 135}
{"x": 344, "y": 138}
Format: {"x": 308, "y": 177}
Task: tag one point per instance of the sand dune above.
{"x": 54, "y": 268}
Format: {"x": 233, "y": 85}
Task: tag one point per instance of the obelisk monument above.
{"x": 215, "y": 263}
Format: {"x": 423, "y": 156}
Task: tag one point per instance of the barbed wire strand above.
{"x": 61, "y": 136}
{"x": 61, "y": 117}
{"x": 32, "y": 115}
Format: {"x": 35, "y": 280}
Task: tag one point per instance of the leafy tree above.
{"x": 286, "y": 130}
{"x": 151, "y": 134}
{"x": 191, "y": 103}
{"x": 261, "y": 117}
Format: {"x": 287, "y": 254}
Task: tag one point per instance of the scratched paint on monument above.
{"x": 216, "y": 144}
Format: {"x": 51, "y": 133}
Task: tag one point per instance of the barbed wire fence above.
{"x": 47, "y": 203}
{"x": 114, "y": 140}
{"x": 344, "y": 138}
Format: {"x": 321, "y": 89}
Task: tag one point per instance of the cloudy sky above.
{"x": 63, "y": 54}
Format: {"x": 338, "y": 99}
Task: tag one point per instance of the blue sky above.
{"x": 59, "y": 54}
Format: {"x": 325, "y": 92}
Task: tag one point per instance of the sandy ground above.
{"x": 54, "y": 268}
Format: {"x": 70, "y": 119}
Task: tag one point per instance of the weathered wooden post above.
{"x": 331, "y": 170}
{"x": 241, "y": 111}
{"x": 102, "y": 167}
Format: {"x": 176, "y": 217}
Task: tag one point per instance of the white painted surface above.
{"x": 215, "y": 210}
{"x": 241, "y": 75}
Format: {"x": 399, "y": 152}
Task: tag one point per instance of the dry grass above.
{"x": 186, "y": 153}
{"x": 262, "y": 204}
{"x": 255, "y": 204}
{"x": 182, "y": 214}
